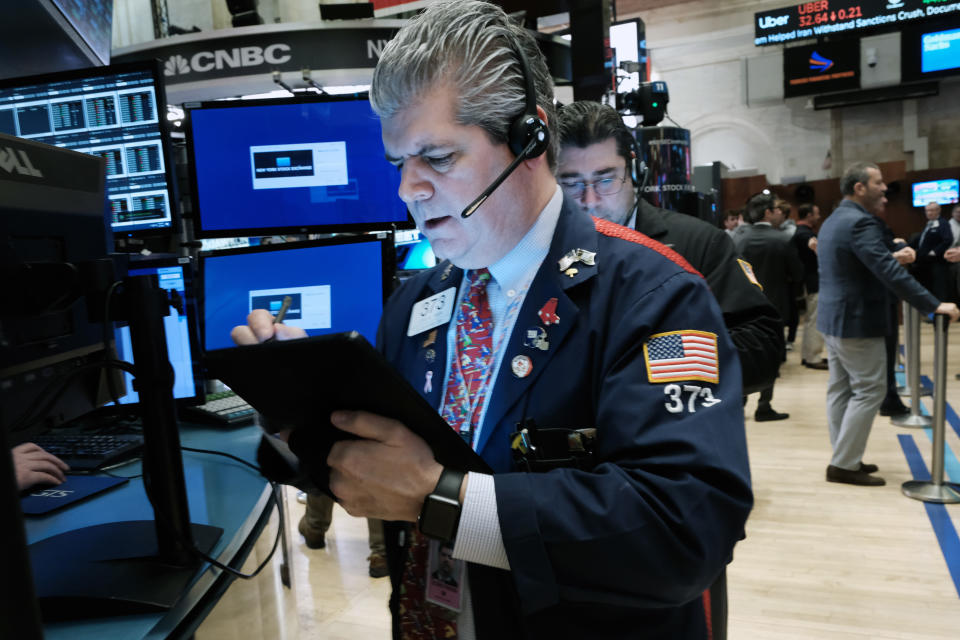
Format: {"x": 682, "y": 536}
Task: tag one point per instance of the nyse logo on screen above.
{"x": 238, "y": 57}
{"x": 768, "y": 22}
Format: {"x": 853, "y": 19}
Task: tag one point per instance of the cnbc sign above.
{"x": 201, "y": 57}
{"x": 236, "y": 58}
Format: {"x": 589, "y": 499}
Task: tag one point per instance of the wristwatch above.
{"x": 440, "y": 515}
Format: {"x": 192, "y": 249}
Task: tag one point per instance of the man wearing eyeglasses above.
{"x": 597, "y": 170}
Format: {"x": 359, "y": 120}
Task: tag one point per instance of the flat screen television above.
{"x": 117, "y": 113}
{"x": 930, "y": 50}
{"x": 939, "y": 191}
{"x": 335, "y": 285}
{"x": 181, "y": 328}
{"x": 297, "y": 165}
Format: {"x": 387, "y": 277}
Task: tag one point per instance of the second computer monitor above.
{"x": 334, "y": 285}
{"x": 262, "y": 167}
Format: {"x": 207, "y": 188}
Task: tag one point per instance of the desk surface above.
{"x": 221, "y": 492}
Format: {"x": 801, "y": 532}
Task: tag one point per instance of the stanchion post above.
{"x": 914, "y": 419}
{"x": 936, "y": 490}
{"x": 904, "y": 389}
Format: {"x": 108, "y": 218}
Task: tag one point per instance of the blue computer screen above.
{"x": 334, "y": 288}
{"x": 939, "y": 191}
{"x": 413, "y": 251}
{"x": 940, "y": 51}
{"x": 289, "y": 166}
{"x": 177, "y": 329}
{"x": 114, "y": 113}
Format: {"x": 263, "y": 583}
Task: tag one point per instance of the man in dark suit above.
{"x": 805, "y": 241}
{"x": 856, "y": 270}
{"x": 776, "y": 266}
{"x": 930, "y": 269}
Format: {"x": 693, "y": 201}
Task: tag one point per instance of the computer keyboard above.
{"x": 225, "y": 408}
{"x": 90, "y": 451}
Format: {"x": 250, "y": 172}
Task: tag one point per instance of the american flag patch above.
{"x": 682, "y": 355}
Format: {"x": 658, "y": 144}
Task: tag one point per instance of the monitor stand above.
{"x": 111, "y": 569}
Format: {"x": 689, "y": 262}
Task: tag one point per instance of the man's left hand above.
{"x": 385, "y": 475}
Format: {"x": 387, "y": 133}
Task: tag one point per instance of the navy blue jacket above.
{"x": 626, "y": 550}
{"x": 856, "y": 271}
{"x": 938, "y": 240}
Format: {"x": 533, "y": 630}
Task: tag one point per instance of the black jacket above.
{"x": 775, "y": 262}
{"x": 811, "y": 272}
{"x": 752, "y": 322}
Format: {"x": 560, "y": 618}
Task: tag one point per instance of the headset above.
{"x": 637, "y": 167}
{"x": 527, "y": 137}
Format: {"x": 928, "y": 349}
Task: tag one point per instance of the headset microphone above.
{"x": 496, "y": 183}
{"x": 527, "y": 137}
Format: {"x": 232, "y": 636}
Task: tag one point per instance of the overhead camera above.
{"x": 648, "y": 102}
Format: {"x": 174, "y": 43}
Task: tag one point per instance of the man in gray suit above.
{"x": 853, "y": 320}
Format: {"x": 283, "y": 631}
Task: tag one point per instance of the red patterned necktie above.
{"x": 462, "y": 406}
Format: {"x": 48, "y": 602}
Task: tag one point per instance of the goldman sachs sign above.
{"x": 826, "y": 17}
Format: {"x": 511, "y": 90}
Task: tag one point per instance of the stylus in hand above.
{"x": 280, "y": 314}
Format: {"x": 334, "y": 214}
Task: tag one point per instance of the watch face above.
{"x": 440, "y": 517}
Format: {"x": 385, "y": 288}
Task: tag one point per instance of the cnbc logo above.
{"x": 819, "y": 63}
{"x": 238, "y": 57}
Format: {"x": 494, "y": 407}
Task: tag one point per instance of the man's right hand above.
{"x": 905, "y": 256}
{"x": 949, "y": 309}
{"x": 260, "y": 327}
{"x": 952, "y": 254}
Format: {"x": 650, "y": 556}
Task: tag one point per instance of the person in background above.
{"x": 777, "y": 268}
{"x": 732, "y": 219}
{"x": 596, "y": 145}
{"x": 930, "y": 269}
{"x": 856, "y": 270}
{"x": 805, "y": 242}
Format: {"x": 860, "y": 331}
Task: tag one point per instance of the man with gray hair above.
{"x": 548, "y": 341}
{"x": 853, "y": 320}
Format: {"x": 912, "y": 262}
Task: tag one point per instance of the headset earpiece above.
{"x": 528, "y": 135}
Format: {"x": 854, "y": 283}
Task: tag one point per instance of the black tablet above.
{"x": 297, "y": 384}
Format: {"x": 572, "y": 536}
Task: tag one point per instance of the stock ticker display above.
{"x": 825, "y": 17}
{"x": 111, "y": 115}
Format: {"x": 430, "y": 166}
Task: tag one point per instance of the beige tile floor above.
{"x": 820, "y": 560}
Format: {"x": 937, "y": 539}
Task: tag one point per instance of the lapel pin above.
{"x": 572, "y": 271}
{"x": 446, "y": 272}
{"x": 536, "y": 338}
{"x": 587, "y": 257}
{"x": 428, "y": 382}
{"x": 521, "y": 366}
{"x": 431, "y": 338}
{"x": 548, "y": 313}
{"x": 430, "y": 355}
{"x": 577, "y": 255}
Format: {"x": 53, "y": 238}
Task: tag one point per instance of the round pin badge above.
{"x": 521, "y": 366}
{"x": 430, "y": 355}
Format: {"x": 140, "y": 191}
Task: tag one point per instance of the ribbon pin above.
{"x": 428, "y": 382}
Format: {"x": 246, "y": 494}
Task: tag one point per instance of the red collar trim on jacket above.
{"x": 614, "y": 230}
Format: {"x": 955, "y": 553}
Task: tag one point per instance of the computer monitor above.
{"x": 335, "y": 285}
{"x": 930, "y": 49}
{"x": 117, "y": 113}
{"x": 268, "y": 167}
{"x": 181, "y": 327}
{"x": 939, "y": 191}
{"x": 413, "y": 251}
{"x": 52, "y": 219}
